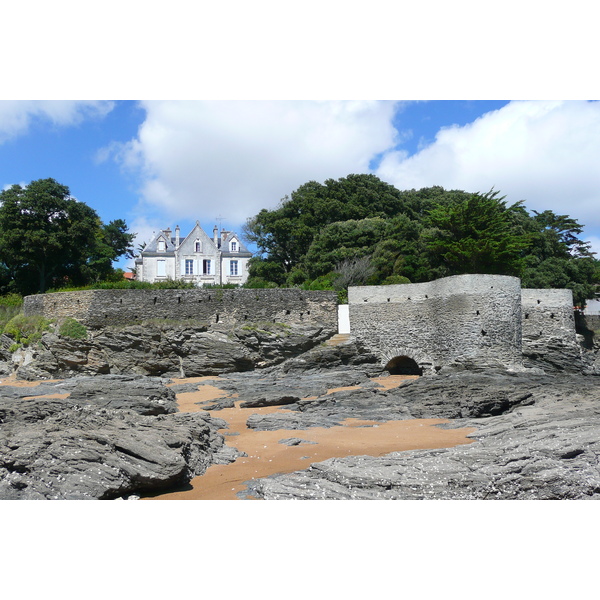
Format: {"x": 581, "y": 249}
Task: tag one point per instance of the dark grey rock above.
{"x": 219, "y": 404}
{"x": 169, "y": 351}
{"x": 113, "y": 436}
{"x": 87, "y": 453}
{"x": 295, "y": 441}
{"x": 324, "y": 357}
{"x": 542, "y": 443}
{"x": 272, "y": 401}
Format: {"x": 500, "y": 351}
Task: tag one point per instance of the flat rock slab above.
{"x": 295, "y": 442}
{"x": 113, "y": 436}
{"x": 272, "y": 401}
{"x": 546, "y": 447}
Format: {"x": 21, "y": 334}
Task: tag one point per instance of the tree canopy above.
{"x": 314, "y": 234}
{"x": 49, "y": 238}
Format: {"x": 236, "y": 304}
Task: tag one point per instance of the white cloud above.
{"x": 546, "y": 153}
{"x": 201, "y": 159}
{"x": 16, "y": 115}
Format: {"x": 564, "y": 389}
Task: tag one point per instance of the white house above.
{"x": 197, "y": 258}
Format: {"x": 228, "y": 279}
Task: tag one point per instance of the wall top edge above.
{"x": 225, "y": 292}
{"x": 446, "y": 286}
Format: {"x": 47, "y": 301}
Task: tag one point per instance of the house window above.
{"x": 161, "y": 268}
{"x": 234, "y": 246}
{"x": 197, "y": 246}
{"x": 233, "y": 267}
{"x": 206, "y": 267}
{"x": 189, "y": 266}
{"x": 161, "y": 246}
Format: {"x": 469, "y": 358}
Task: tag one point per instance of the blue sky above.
{"x": 166, "y": 163}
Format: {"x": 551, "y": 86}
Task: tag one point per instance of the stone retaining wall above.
{"x": 470, "y": 319}
{"x": 98, "y": 308}
{"x": 548, "y": 313}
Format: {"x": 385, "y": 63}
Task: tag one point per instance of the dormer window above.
{"x": 197, "y": 246}
{"x": 162, "y": 246}
{"x": 233, "y": 246}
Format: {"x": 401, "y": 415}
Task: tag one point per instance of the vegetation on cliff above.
{"x": 361, "y": 230}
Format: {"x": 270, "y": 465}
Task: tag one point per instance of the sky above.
{"x": 162, "y": 163}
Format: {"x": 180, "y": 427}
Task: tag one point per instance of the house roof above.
{"x": 222, "y": 243}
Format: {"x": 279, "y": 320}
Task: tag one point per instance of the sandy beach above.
{"x": 267, "y": 456}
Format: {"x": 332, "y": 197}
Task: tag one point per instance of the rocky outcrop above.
{"x": 536, "y": 438}
{"x": 173, "y": 351}
{"x": 553, "y": 354}
{"x": 112, "y": 437}
{"x": 350, "y": 353}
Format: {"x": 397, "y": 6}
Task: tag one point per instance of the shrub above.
{"x": 73, "y": 328}
{"x": 258, "y": 283}
{"x": 10, "y": 305}
{"x": 26, "y": 330}
{"x": 395, "y": 279}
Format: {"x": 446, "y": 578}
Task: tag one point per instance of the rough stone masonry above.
{"x": 99, "y": 308}
{"x": 464, "y": 321}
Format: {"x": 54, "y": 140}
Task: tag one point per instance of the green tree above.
{"x": 343, "y": 241}
{"x": 48, "y": 236}
{"x": 414, "y": 235}
{"x": 558, "y": 258}
{"x": 284, "y": 235}
{"x": 475, "y": 235}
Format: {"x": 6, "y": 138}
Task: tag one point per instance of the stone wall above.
{"x": 549, "y": 335}
{"x": 98, "y": 308}
{"x": 465, "y": 320}
{"x": 548, "y": 313}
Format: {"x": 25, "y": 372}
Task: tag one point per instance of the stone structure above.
{"x": 197, "y": 258}
{"x": 464, "y": 321}
{"x": 548, "y": 313}
{"x": 99, "y": 308}
{"x": 549, "y": 332}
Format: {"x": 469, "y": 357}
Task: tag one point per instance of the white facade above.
{"x": 592, "y": 307}
{"x": 197, "y": 258}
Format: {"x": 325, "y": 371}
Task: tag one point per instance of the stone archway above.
{"x": 403, "y": 365}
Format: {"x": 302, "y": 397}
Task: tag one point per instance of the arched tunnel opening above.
{"x": 403, "y": 365}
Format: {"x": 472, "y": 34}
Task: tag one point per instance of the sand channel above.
{"x": 267, "y": 456}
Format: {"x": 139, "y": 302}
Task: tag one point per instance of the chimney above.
{"x": 167, "y": 233}
{"x": 216, "y": 236}
{"x": 223, "y": 235}
{"x": 177, "y": 236}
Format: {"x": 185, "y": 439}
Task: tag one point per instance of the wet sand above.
{"x": 266, "y": 456}
{"x": 12, "y": 381}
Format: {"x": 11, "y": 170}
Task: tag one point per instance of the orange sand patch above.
{"x": 187, "y": 401}
{"x": 13, "y": 382}
{"x": 393, "y": 381}
{"x": 193, "y": 380}
{"x": 343, "y": 389}
{"x": 61, "y": 396}
{"x": 266, "y": 456}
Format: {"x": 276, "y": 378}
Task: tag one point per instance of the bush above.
{"x": 10, "y": 306}
{"x": 258, "y": 283}
{"x": 11, "y": 300}
{"x": 395, "y": 279}
{"x": 72, "y": 328}
{"x": 128, "y": 284}
{"x": 26, "y": 330}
